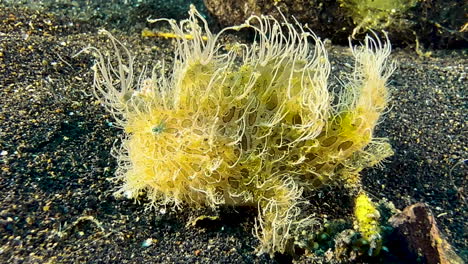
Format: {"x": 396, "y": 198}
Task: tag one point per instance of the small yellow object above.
{"x": 194, "y": 222}
{"x": 167, "y": 35}
{"x": 46, "y": 208}
{"x": 367, "y": 218}
{"x": 464, "y": 28}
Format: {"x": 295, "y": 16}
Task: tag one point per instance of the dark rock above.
{"x": 323, "y": 17}
{"x": 435, "y": 23}
{"x": 417, "y": 238}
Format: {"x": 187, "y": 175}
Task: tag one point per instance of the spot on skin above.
{"x": 170, "y": 184}
{"x": 198, "y": 132}
{"x": 244, "y": 172}
{"x": 219, "y": 191}
{"x": 233, "y": 182}
{"x": 195, "y": 167}
{"x": 252, "y": 117}
{"x": 244, "y": 142}
{"x": 297, "y": 120}
{"x": 186, "y": 123}
{"x": 254, "y": 130}
{"x": 329, "y": 141}
{"x": 272, "y": 102}
{"x": 171, "y": 130}
{"x": 345, "y": 145}
{"x": 236, "y": 152}
{"x": 227, "y": 91}
{"x": 229, "y": 115}
{"x": 318, "y": 166}
{"x": 310, "y": 157}
{"x": 357, "y": 122}
{"x": 170, "y": 149}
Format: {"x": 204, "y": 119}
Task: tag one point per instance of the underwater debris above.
{"x": 375, "y": 14}
{"x": 148, "y": 33}
{"x": 251, "y": 126}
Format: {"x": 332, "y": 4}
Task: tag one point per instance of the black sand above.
{"x": 56, "y": 202}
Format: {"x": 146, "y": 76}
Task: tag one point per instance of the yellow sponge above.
{"x": 367, "y": 218}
